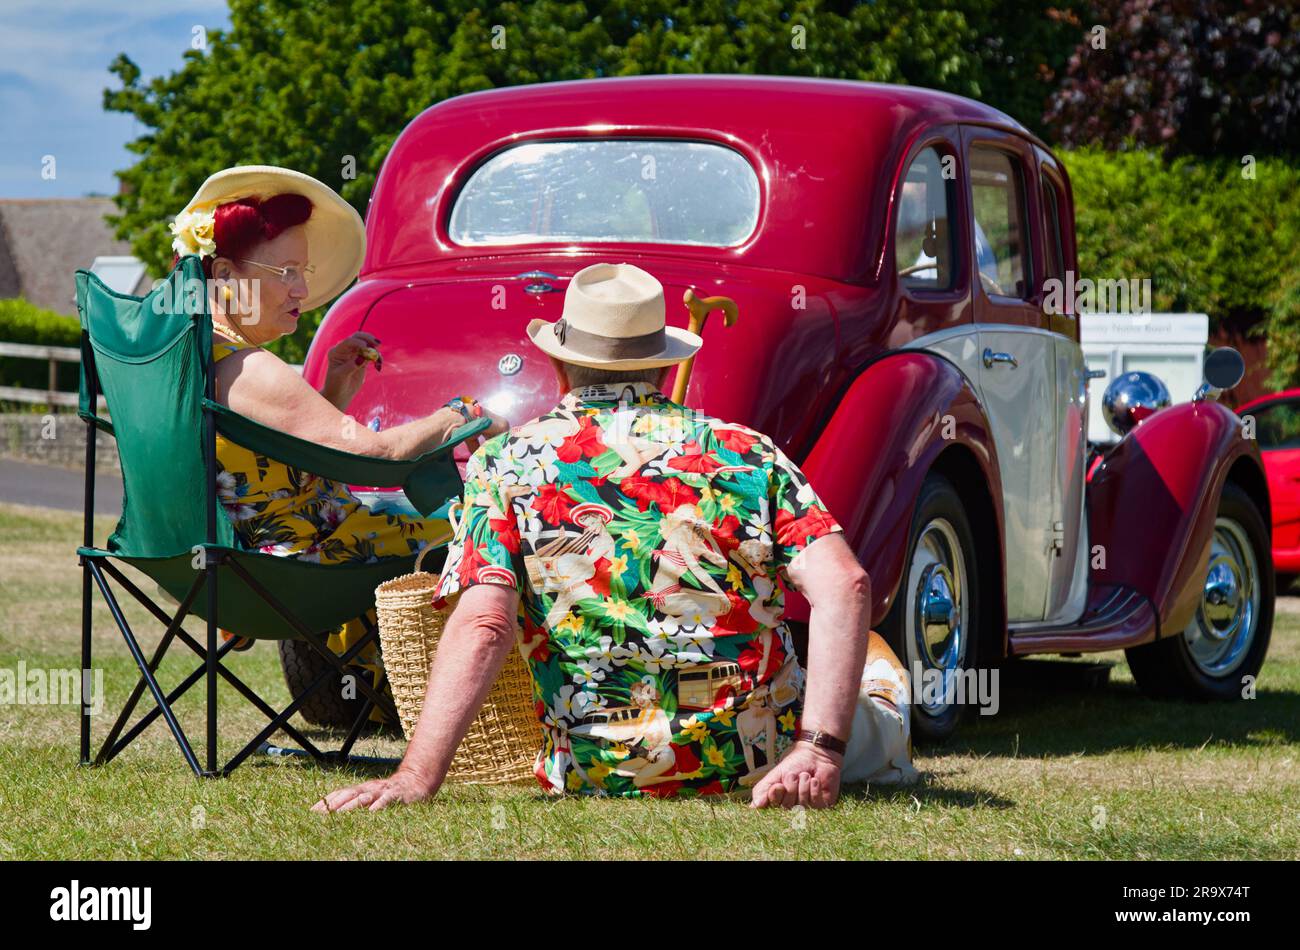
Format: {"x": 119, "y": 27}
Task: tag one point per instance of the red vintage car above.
{"x": 1277, "y": 429}
{"x": 888, "y": 248}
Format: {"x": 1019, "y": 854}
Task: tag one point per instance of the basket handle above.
{"x": 451, "y": 520}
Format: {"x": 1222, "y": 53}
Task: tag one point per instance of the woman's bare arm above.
{"x": 261, "y": 386}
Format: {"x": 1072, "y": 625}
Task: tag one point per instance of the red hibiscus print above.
{"x": 724, "y": 532}
{"x": 675, "y": 494}
{"x": 644, "y": 491}
{"x": 736, "y": 620}
{"x": 694, "y": 460}
{"x": 600, "y": 582}
{"x": 536, "y": 646}
{"x": 507, "y": 532}
{"x": 739, "y": 442}
{"x": 587, "y": 443}
{"x": 713, "y": 788}
{"x": 686, "y": 759}
{"x": 554, "y": 503}
{"x": 792, "y": 531}
{"x": 667, "y": 494}
{"x": 752, "y": 656}
{"x": 470, "y": 562}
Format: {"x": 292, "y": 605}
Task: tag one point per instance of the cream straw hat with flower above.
{"x": 336, "y": 235}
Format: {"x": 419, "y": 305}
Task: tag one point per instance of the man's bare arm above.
{"x": 828, "y": 574}
{"x": 478, "y": 637}
{"x": 471, "y": 652}
{"x": 839, "y": 590}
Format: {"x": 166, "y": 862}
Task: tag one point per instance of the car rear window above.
{"x": 634, "y": 190}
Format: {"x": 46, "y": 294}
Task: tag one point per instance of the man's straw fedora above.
{"x": 336, "y": 235}
{"x": 614, "y": 319}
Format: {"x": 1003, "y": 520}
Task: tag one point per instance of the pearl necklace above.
{"x": 230, "y": 331}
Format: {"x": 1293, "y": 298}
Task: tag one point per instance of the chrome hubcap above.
{"x": 936, "y": 614}
{"x": 1220, "y": 634}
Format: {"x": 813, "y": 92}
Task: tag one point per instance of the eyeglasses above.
{"x": 289, "y": 275}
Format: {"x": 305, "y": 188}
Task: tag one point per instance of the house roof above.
{"x": 44, "y": 241}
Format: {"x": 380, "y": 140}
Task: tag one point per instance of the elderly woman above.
{"x": 275, "y": 242}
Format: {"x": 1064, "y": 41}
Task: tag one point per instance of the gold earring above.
{"x": 227, "y": 294}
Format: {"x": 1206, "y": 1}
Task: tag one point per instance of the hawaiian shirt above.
{"x": 646, "y": 541}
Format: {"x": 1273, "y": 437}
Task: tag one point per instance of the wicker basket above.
{"x": 502, "y": 742}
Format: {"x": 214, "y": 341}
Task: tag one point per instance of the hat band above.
{"x": 597, "y": 346}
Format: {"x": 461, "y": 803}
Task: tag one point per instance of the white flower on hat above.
{"x": 195, "y": 232}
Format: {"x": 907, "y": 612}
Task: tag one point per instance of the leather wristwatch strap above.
{"x": 822, "y": 740}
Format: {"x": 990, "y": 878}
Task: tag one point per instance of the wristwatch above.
{"x": 821, "y": 739}
{"x": 467, "y": 406}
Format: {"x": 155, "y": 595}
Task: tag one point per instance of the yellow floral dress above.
{"x": 282, "y": 510}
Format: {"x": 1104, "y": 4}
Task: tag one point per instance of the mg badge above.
{"x": 510, "y": 364}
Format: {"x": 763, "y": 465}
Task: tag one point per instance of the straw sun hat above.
{"x": 336, "y": 236}
{"x": 614, "y": 319}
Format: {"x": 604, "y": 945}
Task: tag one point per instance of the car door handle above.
{"x": 990, "y": 358}
{"x": 540, "y": 282}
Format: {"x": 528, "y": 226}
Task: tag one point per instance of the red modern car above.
{"x": 888, "y": 248}
{"x": 1277, "y": 429}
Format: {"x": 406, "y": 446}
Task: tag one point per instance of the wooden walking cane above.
{"x": 700, "y": 308}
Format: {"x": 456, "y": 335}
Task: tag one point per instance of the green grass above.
{"x": 1063, "y": 771}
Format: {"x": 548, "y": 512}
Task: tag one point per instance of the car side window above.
{"x": 924, "y": 250}
{"x": 998, "y": 203}
{"x": 1052, "y": 231}
{"x": 1277, "y": 425}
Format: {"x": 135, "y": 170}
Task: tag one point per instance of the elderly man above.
{"x": 646, "y": 542}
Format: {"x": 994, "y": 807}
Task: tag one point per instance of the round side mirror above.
{"x": 1224, "y": 368}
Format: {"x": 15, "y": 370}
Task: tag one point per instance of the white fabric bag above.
{"x": 880, "y": 739}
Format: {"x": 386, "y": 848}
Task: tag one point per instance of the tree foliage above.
{"x": 1190, "y": 77}
{"x": 325, "y": 86}
{"x": 321, "y": 85}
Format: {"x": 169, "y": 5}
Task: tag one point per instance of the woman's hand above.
{"x": 347, "y": 368}
{"x": 451, "y": 420}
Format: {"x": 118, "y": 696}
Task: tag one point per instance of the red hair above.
{"x": 240, "y": 225}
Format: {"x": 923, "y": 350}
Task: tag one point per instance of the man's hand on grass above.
{"x": 807, "y": 775}
{"x": 400, "y": 788}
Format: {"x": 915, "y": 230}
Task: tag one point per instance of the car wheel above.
{"x": 1228, "y": 637}
{"x": 933, "y": 624}
{"x": 327, "y": 706}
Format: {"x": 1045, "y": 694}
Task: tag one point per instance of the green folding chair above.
{"x": 151, "y": 359}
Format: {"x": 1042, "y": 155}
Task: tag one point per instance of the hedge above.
{"x": 1211, "y": 239}
{"x": 23, "y": 322}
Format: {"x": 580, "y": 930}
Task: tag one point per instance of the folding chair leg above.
{"x": 86, "y": 621}
{"x": 360, "y": 723}
{"x": 164, "y": 707}
{"x": 317, "y": 641}
{"x": 173, "y": 627}
{"x": 148, "y": 718}
{"x": 87, "y": 540}
{"x": 210, "y": 568}
{"x": 260, "y": 739}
